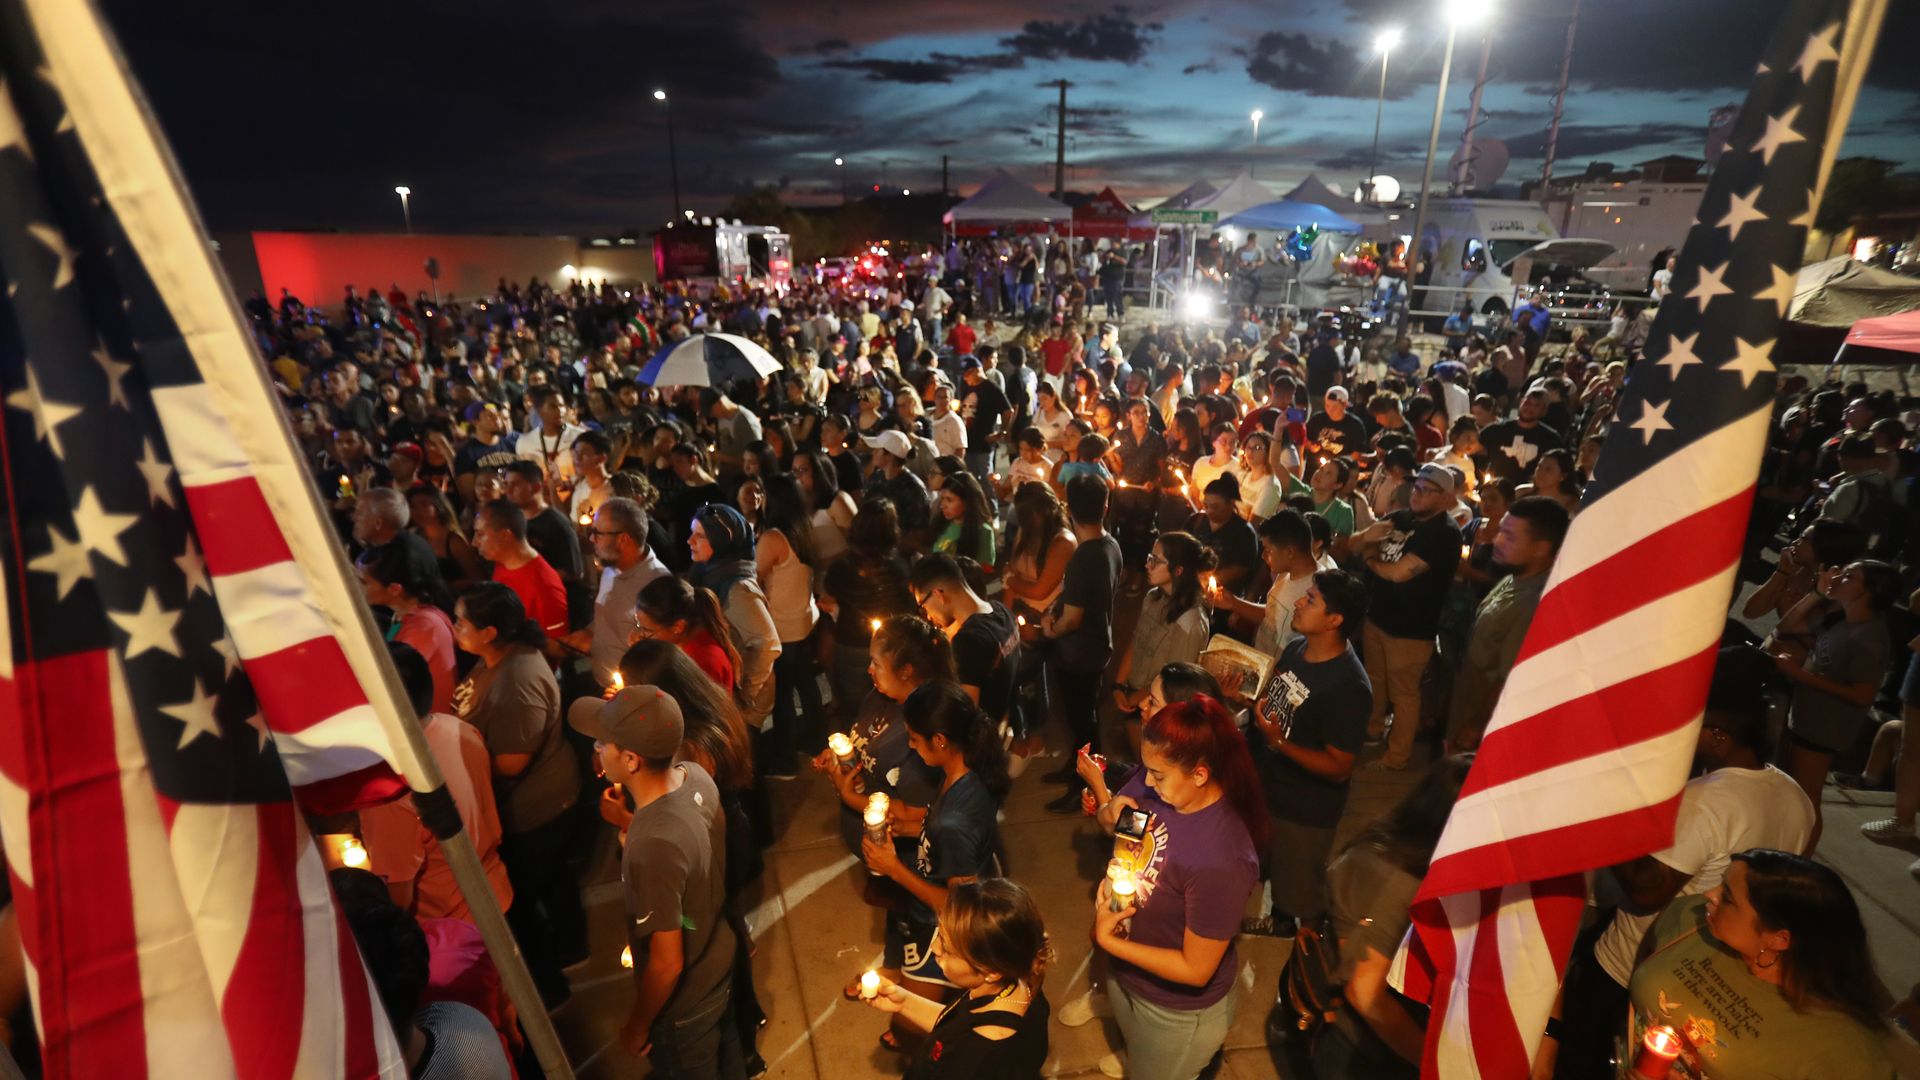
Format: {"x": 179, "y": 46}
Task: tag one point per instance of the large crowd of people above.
{"x": 1222, "y": 568}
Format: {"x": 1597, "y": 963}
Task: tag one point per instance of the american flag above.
{"x": 178, "y": 659}
{"x": 1590, "y": 744}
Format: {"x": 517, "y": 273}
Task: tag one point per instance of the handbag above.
{"x": 1309, "y": 996}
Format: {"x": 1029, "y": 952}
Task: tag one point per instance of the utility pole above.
{"x": 1559, "y": 99}
{"x": 1060, "y": 144}
{"x": 943, "y": 174}
{"x": 1465, "y": 176}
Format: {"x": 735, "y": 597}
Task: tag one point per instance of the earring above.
{"x": 1762, "y": 961}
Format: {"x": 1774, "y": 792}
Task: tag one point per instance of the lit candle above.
{"x": 875, "y": 624}
{"x": 619, "y": 683}
{"x": 1323, "y": 459}
{"x": 1121, "y": 891}
{"x": 1117, "y": 870}
{"x": 875, "y": 820}
{"x": 1123, "y": 483}
{"x": 353, "y": 853}
{"x": 842, "y": 748}
{"x": 869, "y": 985}
{"x": 626, "y": 958}
{"x": 586, "y": 519}
{"x": 1466, "y": 551}
{"x": 1213, "y": 583}
{"x": 1657, "y": 1051}
{"x": 1021, "y": 619}
{"x": 1183, "y": 491}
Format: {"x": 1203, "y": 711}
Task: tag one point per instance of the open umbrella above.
{"x": 708, "y": 360}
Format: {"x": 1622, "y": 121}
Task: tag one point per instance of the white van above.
{"x": 1478, "y": 241}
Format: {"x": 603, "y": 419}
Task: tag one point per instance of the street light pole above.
{"x": 1384, "y": 44}
{"x": 406, "y": 209}
{"x": 840, "y": 166}
{"x": 1254, "y": 157}
{"x": 673, "y": 153}
{"x": 1458, "y": 12}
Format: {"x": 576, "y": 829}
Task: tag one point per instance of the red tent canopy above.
{"x": 1891, "y": 333}
{"x": 1105, "y": 216}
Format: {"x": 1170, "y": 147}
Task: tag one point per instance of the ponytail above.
{"x": 491, "y": 605}
{"x": 943, "y": 708}
{"x": 1187, "y": 560}
{"x": 911, "y": 641}
{"x": 668, "y": 600}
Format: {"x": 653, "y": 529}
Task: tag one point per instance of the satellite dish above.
{"x": 1385, "y": 189}
{"x": 1484, "y": 163}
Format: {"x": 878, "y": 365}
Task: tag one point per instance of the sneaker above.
{"x": 1886, "y": 831}
{"x": 1066, "y": 804}
{"x": 1270, "y": 926}
{"x": 1860, "y": 782}
{"x": 1113, "y": 1065}
{"x": 755, "y": 1066}
{"x": 1085, "y": 1009}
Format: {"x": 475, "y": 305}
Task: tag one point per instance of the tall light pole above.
{"x": 673, "y": 153}
{"x": 1256, "y": 116}
{"x": 840, "y": 166}
{"x": 1458, "y": 11}
{"x": 1383, "y": 43}
{"x": 406, "y": 208}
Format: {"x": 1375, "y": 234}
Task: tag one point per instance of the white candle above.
{"x": 353, "y": 853}
{"x": 842, "y": 748}
{"x": 869, "y": 985}
{"x": 1122, "y": 890}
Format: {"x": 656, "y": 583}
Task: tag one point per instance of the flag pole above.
{"x": 85, "y": 59}
{"x": 1864, "y": 18}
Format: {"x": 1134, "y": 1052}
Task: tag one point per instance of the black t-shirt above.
{"x": 846, "y": 472}
{"x": 1512, "y": 449}
{"x": 983, "y": 406}
{"x": 1347, "y": 435}
{"x": 552, "y": 535}
{"x": 1234, "y": 544}
{"x": 1318, "y": 706}
{"x": 1411, "y": 609}
{"x": 1140, "y": 459}
{"x": 1092, "y": 576}
{"x": 1323, "y": 369}
{"x": 986, "y": 654}
{"x": 1491, "y": 380}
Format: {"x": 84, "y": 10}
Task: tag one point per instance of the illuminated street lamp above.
{"x": 839, "y": 166}
{"x": 1458, "y": 12}
{"x": 1257, "y": 115}
{"x": 1383, "y": 43}
{"x": 673, "y": 153}
{"x": 406, "y": 208}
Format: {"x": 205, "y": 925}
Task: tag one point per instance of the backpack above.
{"x": 1309, "y": 996}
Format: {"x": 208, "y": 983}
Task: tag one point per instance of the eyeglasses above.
{"x": 1155, "y": 560}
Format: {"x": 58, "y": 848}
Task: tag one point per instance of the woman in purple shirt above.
{"x": 1193, "y": 863}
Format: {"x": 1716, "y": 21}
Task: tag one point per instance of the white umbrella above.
{"x": 708, "y": 360}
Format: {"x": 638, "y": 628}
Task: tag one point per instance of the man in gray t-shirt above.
{"x": 673, "y": 874}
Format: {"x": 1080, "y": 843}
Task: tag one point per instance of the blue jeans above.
{"x": 1023, "y": 297}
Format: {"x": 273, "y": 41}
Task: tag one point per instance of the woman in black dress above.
{"x": 992, "y": 945}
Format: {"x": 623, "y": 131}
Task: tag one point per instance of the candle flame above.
{"x": 353, "y": 853}
{"x": 626, "y": 957}
{"x": 874, "y": 623}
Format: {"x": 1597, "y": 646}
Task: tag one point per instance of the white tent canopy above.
{"x": 1841, "y": 292}
{"x": 1184, "y": 198}
{"x": 1241, "y": 193}
{"x": 1315, "y": 190}
{"x": 1004, "y": 199}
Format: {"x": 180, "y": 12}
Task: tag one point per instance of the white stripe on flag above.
{"x": 1714, "y": 468}
{"x": 1650, "y": 637}
{"x": 198, "y": 436}
{"x": 1526, "y": 964}
{"x": 269, "y": 609}
{"x": 1453, "y": 1050}
{"x": 184, "y": 1035}
{"x": 333, "y": 747}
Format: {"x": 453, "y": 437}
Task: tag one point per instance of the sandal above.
{"x": 851, "y": 991}
{"x": 891, "y": 1042}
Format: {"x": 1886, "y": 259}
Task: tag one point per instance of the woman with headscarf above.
{"x": 723, "y": 562}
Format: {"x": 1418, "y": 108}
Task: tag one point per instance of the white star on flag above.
{"x": 47, "y": 415}
{"x": 1749, "y": 360}
{"x": 116, "y": 372}
{"x": 156, "y": 473}
{"x": 229, "y": 655}
{"x": 1819, "y": 50}
{"x": 99, "y": 530}
{"x": 65, "y": 559}
{"x": 152, "y": 627}
{"x": 51, "y": 239}
{"x": 1679, "y": 354}
{"x": 1740, "y": 211}
{"x": 1709, "y": 285}
{"x": 1779, "y": 133}
{"x": 197, "y": 714}
{"x": 1652, "y": 418}
{"x": 195, "y": 568}
{"x": 1781, "y": 291}
{"x": 1804, "y": 219}
{"x": 12, "y": 131}
{"x": 259, "y": 724}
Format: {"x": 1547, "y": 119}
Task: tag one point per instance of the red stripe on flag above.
{"x": 79, "y": 924}
{"x": 1684, "y": 553}
{"x": 357, "y": 790}
{"x": 1435, "y": 935}
{"x": 1570, "y": 849}
{"x": 267, "y": 995}
{"x": 304, "y": 684}
{"x": 1496, "y": 1042}
{"x": 362, "y": 1059}
{"x": 1595, "y": 724}
{"x": 236, "y": 527}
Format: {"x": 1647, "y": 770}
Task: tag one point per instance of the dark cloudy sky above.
{"x": 540, "y": 114}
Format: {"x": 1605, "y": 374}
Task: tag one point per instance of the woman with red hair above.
{"x": 1186, "y": 827}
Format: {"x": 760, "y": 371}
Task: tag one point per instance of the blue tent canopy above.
{"x": 1286, "y": 215}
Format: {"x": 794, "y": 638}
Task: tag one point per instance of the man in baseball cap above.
{"x": 893, "y": 480}
{"x": 673, "y": 880}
